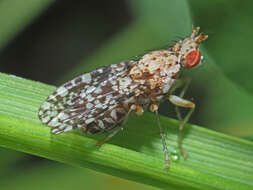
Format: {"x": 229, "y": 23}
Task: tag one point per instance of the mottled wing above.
{"x": 91, "y": 100}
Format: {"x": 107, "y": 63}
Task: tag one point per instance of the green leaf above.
{"x": 229, "y": 25}
{"x": 15, "y": 15}
{"x": 215, "y": 161}
{"x": 8, "y": 159}
{"x": 64, "y": 177}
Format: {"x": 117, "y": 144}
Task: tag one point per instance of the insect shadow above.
{"x": 141, "y": 134}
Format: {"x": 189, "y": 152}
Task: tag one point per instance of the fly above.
{"x": 100, "y": 101}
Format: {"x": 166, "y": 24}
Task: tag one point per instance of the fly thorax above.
{"x": 156, "y": 68}
{"x": 162, "y": 62}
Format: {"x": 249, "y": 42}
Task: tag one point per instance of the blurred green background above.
{"x": 53, "y": 41}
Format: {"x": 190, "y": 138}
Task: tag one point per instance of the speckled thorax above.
{"x": 156, "y": 71}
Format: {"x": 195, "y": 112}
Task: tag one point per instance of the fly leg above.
{"x": 178, "y": 101}
{"x": 136, "y": 108}
{"x": 84, "y": 130}
{"x": 108, "y": 137}
{"x": 154, "y": 108}
{"x": 183, "y": 82}
{"x": 179, "y": 83}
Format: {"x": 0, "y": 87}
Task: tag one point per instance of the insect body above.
{"x": 100, "y": 101}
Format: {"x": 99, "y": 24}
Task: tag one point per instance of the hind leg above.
{"x": 108, "y": 137}
{"x": 138, "y": 110}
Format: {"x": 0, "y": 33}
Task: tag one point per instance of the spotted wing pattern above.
{"x": 92, "y": 100}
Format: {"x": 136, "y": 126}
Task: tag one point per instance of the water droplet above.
{"x": 175, "y": 155}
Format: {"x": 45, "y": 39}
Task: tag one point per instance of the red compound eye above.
{"x": 193, "y": 58}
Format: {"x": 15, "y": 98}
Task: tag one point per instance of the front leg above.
{"x": 179, "y": 101}
{"x": 185, "y": 82}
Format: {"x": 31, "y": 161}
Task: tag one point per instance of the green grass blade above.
{"x": 216, "y": 161}
{"x": 53, "y": 174}
{"x": 15, "y": 15}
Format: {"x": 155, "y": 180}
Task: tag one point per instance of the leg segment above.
{"x": 185, "y": 82}
{"x": 154, "y": 108}
{"x": 136, "y": 108}
{"x": 178, "y": 101}
{"x": 114, "y": 132}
